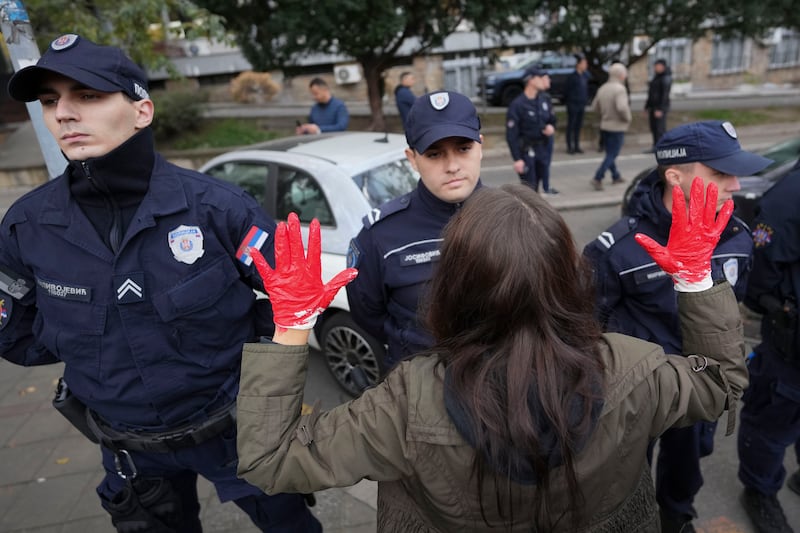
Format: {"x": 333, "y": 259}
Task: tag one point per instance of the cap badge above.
{"x": 439, "y": 100}
{"x": 65, "y": 41}
{"x": 729, "y": 129}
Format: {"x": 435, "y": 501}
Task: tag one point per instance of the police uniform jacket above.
{"x": 400, "y": 434}
{"x": 576, "y": 90}
{"x": 151, "y": 334}
{"x": 395, "y": 252}
{"x": 636, "y": 297}
{"x": 658, "y": 91}
{"x": 525, "y": 120}
{"x": 775, "y": 280}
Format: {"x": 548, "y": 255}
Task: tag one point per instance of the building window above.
{"x": 678, "y": 54}
{"x": 785, "y": 51}
{"x": 461, "y": 74}
{"x": 729, "y": 55}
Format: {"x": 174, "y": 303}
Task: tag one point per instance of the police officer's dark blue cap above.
{"x": 438, "y": 115}
{"x": 102, "y": 68}
{"x": 534, "y": 70}
{"x": 713, "y": 143}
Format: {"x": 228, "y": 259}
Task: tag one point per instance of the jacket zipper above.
{"x": 115, "y": 232}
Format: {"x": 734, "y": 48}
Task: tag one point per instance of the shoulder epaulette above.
{"x": 391, "y": 207}
{"x": 619, "y": 229}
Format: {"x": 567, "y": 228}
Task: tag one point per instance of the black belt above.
{"x": 537, "y": 142}
{"x": 184, "y": 436}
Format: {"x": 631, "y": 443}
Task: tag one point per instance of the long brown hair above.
{"x": 511, "y": 309}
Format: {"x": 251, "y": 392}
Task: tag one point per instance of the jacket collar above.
{"x": 163, "y": 192}
{"x": 437, "y": 206}
{"x": 123, "y": 173}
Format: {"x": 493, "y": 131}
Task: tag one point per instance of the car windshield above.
{"x": 385, "y": 182}
{"x": 782, "y": 153}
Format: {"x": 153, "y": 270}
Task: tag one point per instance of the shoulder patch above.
{"x": 391, "y": 207}
{"x": 762, "y": 235}
{"x": 353, "y": 254}
{"x": 13, "y": 285}
{"x": 6, "y": 305}
{"x": 619, "y": 229}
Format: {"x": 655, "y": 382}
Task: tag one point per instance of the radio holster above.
{"x": 73, "y": 410}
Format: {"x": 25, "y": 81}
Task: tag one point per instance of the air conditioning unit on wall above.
{"x": 639, "y": 45}
{"x": 347, "y": 74}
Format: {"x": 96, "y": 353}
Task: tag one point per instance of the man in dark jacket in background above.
{"x": 576, "y": 96}
{"x": 403, "y": 96}
{"x": 657, "y": 104}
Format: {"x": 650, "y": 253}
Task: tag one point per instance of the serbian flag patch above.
{"x": 255, "y": 238}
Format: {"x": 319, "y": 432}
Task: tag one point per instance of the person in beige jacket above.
{"x": 523, "y": 416}
{"x": 611, "y": 103}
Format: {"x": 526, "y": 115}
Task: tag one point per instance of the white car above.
{"x": 336, "y": 178}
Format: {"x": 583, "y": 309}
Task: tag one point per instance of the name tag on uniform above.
{"x": 646, "y": 276}
{"x": 418, "y": 258}
{"x": 65, "y": 291}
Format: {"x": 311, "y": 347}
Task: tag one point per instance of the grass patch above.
{"x": 739, "y": 117}
{"x": 220, "y": 134}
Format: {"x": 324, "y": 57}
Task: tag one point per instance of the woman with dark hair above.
{"x": 523, "y": 416}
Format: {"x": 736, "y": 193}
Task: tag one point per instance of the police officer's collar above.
{"x": 124, "y": 172}
{"x": 436, "y": 204}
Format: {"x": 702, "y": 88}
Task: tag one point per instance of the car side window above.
{"x": 250, "y": 176}
{"x": 386, "y": 182}
{"x": 300, "y": 193}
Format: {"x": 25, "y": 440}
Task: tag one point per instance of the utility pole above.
{"x": 16, "y": 29}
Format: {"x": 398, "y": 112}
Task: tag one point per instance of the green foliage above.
{"x": 123, "y": 23}
{"x": 739, "y": 117}
{"x": 276, "y": 34}
{"x": 177, "y": 112}
{"x": 221, "y": 134}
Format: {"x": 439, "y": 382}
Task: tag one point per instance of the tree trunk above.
{"x": 372, "y": 75}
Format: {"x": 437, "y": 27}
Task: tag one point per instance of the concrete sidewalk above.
{"x": 48, "y": 472}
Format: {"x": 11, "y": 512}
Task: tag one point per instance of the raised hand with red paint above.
{"x": 295, "y": 286}
{"x": 687, "y": 255}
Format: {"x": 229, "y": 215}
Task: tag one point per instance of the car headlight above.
{"x": 490, "y": 80}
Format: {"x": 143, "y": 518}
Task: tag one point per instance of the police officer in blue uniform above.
{"x": 530, "y": 129}
{"x": 770, "y": 418}
{"x": 396, "y": 250}
{"x": 635, "y": 297}
{"x": 136, "y": 275}
{"x": 576, "y": 96}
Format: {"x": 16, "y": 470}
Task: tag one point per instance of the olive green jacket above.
{"x": 399, "y": 433}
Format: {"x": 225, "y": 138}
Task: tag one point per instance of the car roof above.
{"x": 348, "y": 149}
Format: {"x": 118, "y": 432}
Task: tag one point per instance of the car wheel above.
{"x": 509, "y": 93}
{"x": 345, "y": 347}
